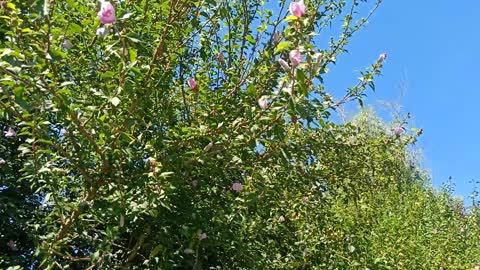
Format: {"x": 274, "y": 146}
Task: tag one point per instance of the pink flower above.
{"x": 10, "y": 133}
{"x": 398, "y": 130}
{"x": 284, "y": 64}
{"x": 202, "y": 236}
{"x": 237, "y": 187}
{"x": 295, "y": 57}
{"x": 106, "y": 13}
{"x": 382, "y": 57}
{"x": 263, "y": 102}
{"x": 62, "y": 132}
{"x": 192, "y": 83}
{"x": 281, "y": 219}
{"x": 297, "y": 8}
{"x": 220, "y": 57}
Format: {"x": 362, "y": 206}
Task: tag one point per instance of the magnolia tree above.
{"x": 178, "y": 134}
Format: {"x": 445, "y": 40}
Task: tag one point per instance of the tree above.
{"x": 189, "y": 134}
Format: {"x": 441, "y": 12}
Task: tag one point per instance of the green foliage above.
{"x": 119, "y": 164}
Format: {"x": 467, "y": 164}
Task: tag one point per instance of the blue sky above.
{"x": 433, "y": 72}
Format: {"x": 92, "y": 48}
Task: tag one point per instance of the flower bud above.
{"x": 122, "y": 220}
{"x": 297, "y": 9}
{"x": 284, "y": 64}
{"x": 382, "y": 57}
{"x": 192, "y": 83}
{"x": 276, "y": 37}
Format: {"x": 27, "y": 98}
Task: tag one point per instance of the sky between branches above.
{"x": 433, "y": 72}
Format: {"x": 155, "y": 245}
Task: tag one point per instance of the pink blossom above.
{"x": 10, "y": 133}
{"x": 284, "y": 64}
{"x": 382, "y": 57}
{"x": 192, "y": 83}
{"x": 263, "y": 102}
{"x": 106, "y": 13}
{"x": 202, "y": 236}
{"x": 295, "y": 57}
{"x": 220, "y": 57}
{"x": 237, "y": 187}
{"x": 281, "y": 219}
{"x": 297, "y": 8}
{"x": 398, "y": 130}
{"x": 63, "y": 132}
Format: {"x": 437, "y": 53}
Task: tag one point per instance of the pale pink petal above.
{"x": 106, "y": 13}
{"x": 263, "y": 102}
{"x": 237, "y": 187}
{"x": 295, "y": 57}
{"x": 382, "y": 57}
{"x": 297, "y": 9}
{"x": 192, "y": 83}
{"x": 10, "y": 133}
{"x": 202, "y": 236}
{"x": 284, "y": 64}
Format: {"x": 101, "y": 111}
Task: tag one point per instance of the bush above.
{"x": 197, "y": 134}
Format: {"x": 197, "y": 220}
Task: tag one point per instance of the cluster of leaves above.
{"x": 119, "y": 164}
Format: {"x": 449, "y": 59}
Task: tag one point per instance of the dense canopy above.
{"x": 186, "y": 134}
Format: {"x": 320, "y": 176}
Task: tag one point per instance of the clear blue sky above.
{"x": 433, "y": 51}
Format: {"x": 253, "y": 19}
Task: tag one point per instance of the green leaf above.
{"x": 282, "y": 46}
{"x": 291, "y": 18}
